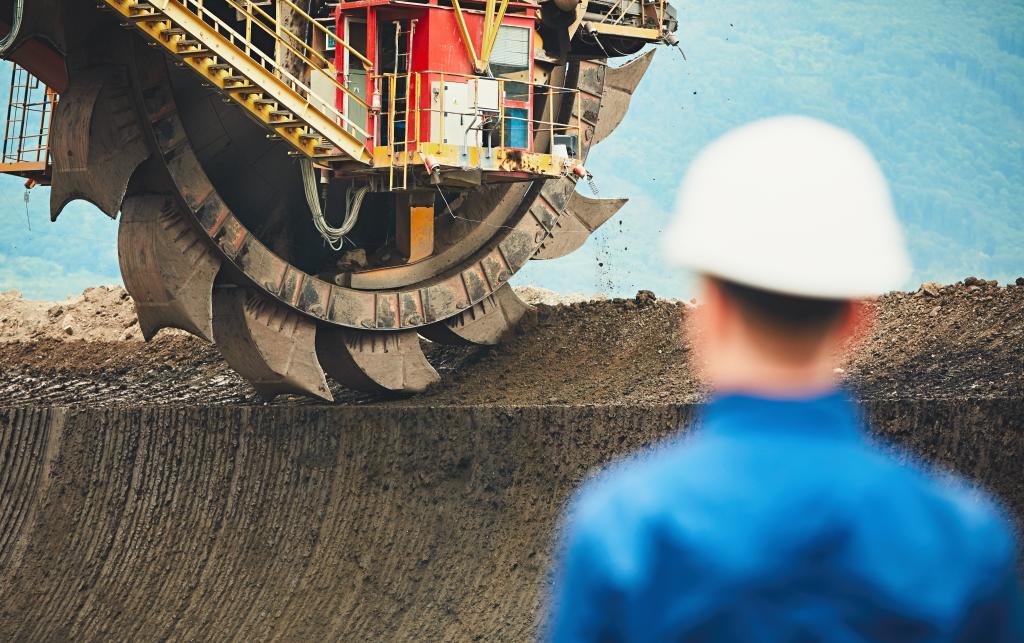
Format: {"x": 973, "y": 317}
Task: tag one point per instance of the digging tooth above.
{"x": 375, "y": 361}
{"x": 96, "y": 143}
{"x": 280, "y": 350}
{"x": 167, "y": 268}
{"x": 486, "y": 323}
{"x": 619, "y": 84}
{"x": 582, "y": 216}
{"x": 272, "y": 347}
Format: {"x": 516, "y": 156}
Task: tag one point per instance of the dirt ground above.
{"x": 146, "y": 497}
{"x": 101, "y": 314}
{"x": 964, "y": 340}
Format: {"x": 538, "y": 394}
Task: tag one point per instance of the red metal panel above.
{"x": 443, "y": 50}
{"x": 437, "y": 46}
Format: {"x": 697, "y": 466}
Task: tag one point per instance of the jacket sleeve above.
{"x": 997, "y": 617}
{"x": 996, "y": 614}
{"x": 1011, "y": 609}
{"x": 585, "y": 605}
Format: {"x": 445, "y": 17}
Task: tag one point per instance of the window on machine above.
{"x": 510, "y": 60}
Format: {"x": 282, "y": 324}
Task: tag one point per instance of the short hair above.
{"x": 787, "y": 313}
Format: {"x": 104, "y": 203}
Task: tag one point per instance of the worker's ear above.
{"x": 857, "y": 323}
{"x": 710, "y": 316}
{"x": 720, "y": 308}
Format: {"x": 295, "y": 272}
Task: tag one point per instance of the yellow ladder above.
{"x": 227, "y": 60}
{"x": 398, "y": 150}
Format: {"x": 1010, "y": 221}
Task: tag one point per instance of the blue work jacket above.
{"x": 779, "y": 520}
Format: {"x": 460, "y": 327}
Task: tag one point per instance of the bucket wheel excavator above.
{"x": 314, "y": 186}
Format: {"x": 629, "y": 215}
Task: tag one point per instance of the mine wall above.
{"x": 344, "y": 523}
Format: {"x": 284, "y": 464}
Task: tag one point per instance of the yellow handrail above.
{"x": 624, "y": 9}
{"x": 491, "y": 31}
{"x": 277, "y": 38}
{"x": 549, "y": 124}
{"x": 418, "y": 100}
{"x": 501, "y": 112}
{"x": 454, "y": 74}
{"x": 327, "y": 32}
{"x": 225, "y": 31}
{"x": 440, "y": 129}
{"x": 391, "y": 130}
{"x": 252, "y": 18}
{"x": 247, "y": 11}
{"x": 579, "y": 125}
{"x": 551, "y": 115}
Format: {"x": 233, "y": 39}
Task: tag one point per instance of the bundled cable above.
{"x": 16, "y": 19}
{"x": 335, "y": 237}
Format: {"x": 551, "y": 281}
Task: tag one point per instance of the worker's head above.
{"x": 759, "y": 341}
{"x": 790, "y": 226}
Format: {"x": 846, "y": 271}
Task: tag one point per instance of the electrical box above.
{"x": 453, "y": 115}
{"x": 569, "y": 143}
{"x": 487, "y": 94}
{"x": 424, "y": 88}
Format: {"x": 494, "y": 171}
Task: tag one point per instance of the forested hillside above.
{"x": 936, "y": 89}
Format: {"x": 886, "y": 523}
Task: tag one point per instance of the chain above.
{"x": 28, "y": 220}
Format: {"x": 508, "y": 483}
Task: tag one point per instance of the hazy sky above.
{"x": 936, "y": 89}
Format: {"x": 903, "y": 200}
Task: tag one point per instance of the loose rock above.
{"x": 645, "y": 298}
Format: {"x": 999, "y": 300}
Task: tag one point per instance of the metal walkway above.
{"x": 275, "y": 96}
{"x": 26, "y": 136}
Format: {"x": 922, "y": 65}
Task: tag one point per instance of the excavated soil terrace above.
{"x": 147, "y": 495}
{"x": 959, "y": 341}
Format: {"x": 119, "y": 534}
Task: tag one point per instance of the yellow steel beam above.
{"x": 20, "y": 167}
{"x": 414, "y": 227}
{"x": 491, "y": 36}
{"x": 450, "y": 155}
{"x": 316, "y": 25}
{"x": 488, "y": 25}
{"x": 392, "y": 85}
{"x": 275, "y": 31}
{"x": 269, "y": 85}
{"x": 640, "y": 33}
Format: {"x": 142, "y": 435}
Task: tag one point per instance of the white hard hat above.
{"x": 790, "y": 205}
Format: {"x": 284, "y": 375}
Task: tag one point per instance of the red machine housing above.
{"x": 431, "y": 34}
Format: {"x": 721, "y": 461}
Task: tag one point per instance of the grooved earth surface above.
{"x": 340, "y": 523}
{"x": 145, "y": 497}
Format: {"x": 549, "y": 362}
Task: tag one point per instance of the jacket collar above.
{"x": 831, "y": 414}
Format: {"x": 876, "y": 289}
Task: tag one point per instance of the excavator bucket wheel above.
{"x": 211, "y": 208}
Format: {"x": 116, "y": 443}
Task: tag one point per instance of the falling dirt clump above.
{"x": 956, "y": 342}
